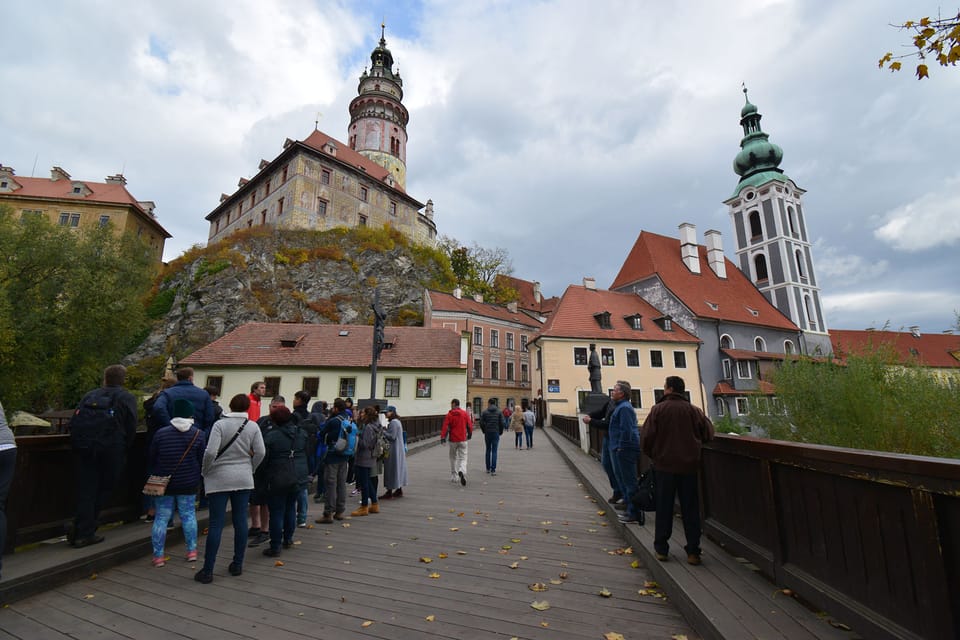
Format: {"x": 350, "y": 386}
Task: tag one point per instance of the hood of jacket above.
{"x": 182, "y": 424}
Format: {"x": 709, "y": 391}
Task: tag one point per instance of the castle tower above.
{"x": 772, "y": 244}
{"x": 378, "y": 119}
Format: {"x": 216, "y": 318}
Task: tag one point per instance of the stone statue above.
{"x": 593, "y": 366}
{"x": 378, "y": 322}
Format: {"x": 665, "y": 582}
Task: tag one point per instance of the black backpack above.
{"x": 94, "y": 424}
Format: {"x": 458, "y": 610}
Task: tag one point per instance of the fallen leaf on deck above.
{"x": 612, "y": 635}
{"x": 563, "y": 564}
{"x": 430, "y": 618}
{"x": 329, "y": 546}
{"x": 523, "y": 557}
{"x": 544, "y": 624}
{"x": 507, "y": 547}
{"x": 300, "y": 614}
{"x": 503, "y": 552}
{"x": 514, "y": 565}
{"x": 540, "y": 605}
{"x": 88, "y": 596}
{"x": 515, "y": 540}
{"x": 591, "y": 530}
{"x": 601, "y": 513}
{"x": 546, "y": 522}
{"x": 839, "y": 625}
{"x": 478, "y": 512}
{"x": 461, "y": 552}
{"x": 556, "y": 581}
{"x": 93, "y": 576}
{"x": 454, "y": 528}
{"x": 452, "y": 510}
{"x": 537, "y": 586}
{"x": 635, "y": 564}
{"x": 605, "y": 593}
{"x": 278, "y": 563}
{"x": 441, "y": 555}
{"x": 474, "y": 523}
{"x": 564, "y": 537}
{"x": 434, "y": 575}
{"x": 628, "y": 551}
{"x": 483, "y": 548}
{"x": 366, "y": 623}
{"x": 460, "y": 515}
{"x": 393, "y": 544}
{"x": 678, "y": 636}
{"x": 563, "y": 574}
{"x": 426, "y": 559}
{"x": 298, "y": 542}
{"x": 346, "y": 525}
{"x": 429, "y": 517}
{"x": 650, "y": 584}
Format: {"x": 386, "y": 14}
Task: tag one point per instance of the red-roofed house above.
{"x": 939, "y": 353}
{"x": 635, "y": 343}
{"x": 419, "y": 371}
{"x": 321, "y": 183}
{"x": 703, "y": 292}
{"x": 499, "y": 337}
{"x": 81, "y": 204}
{"x": 529, "y": 296}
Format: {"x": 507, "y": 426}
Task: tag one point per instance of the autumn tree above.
{"x": 476, "y": 269}
{"x": 71, "y": 302}
{"x": 938, "y": 38}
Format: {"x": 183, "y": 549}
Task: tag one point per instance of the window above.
{"x": 524, "y": 372}
{"x": 667, "y": 324}
{"x": 635, "y": 399}
{"x": 791, "y": 220}
{"x": 606, "y": 357}
{"x": 477, "y": 368}
{"x": 325, "y": 176}
{"x": 510, "y": 341}
{"x": 494, "y": 370}
{"x": 755, "y": 229}
{"x": 477, "y": 405}
{"x": 680, "y": 359}
{"x": 760, "y": 267}
{"x": 494, "y": 338}
{"x": 721, "y": 407}
{"x": 800, "y": 264}
{"x": 742, "y": 407}
{"x": 477, "y": 336}
{"x": 266, "y": 189}
{"x": 393, "y": 208}
{"x": 4, "y": 184}
{"x": 74, "y": 219}
{"x": 252, "y": 196}
{"x": 510, "y": 368}
{"x": 656, "y": 359}
{"x": 284, "y": 179}
{"x": 311, "y": 385}
{"x": 759, "y": 344}
{"x": 364, "y": 194}
{"x": 633, "y": 357}
{"x": 727, "y": 371}
{"x": 64, "y": 219}
{"x": 726, "y": 342}
{"x": 104, "y": 221}
{"x": 787, "y": 347}
{"x": 273, "y": 386}
{"x": 348, "y": 387}
{"x": 580, "y": 356}
{"x": 215, "y": 382}
{"x": 658, "y": 395}
{"x": 31, "y": 213}
{"x": 263, "y": 217}
{"x": 603, "y": 319}
{"x": 77, "y": 189}
{"x": 391, "y": 388}
{"x": 523, "y": 343}
{"x": 363, "y": 221}
{"x": 321, "y": 206}
{"x": 776, "y": 405}
{"x": 635, "y": 321}
{"x": 744, "y": 371}
{"x": 811, "y": 319}
{"x": 424, "y": 387}
{"x": 280, "y": 206}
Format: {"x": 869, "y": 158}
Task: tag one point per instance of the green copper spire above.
{"x": 757, "y": 154}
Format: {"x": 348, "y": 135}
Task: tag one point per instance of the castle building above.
{"x": 773, "y": 247}
{"x": 321, "y": 183}
{"x": 82, "y": 204}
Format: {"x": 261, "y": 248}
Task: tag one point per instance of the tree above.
{"x": 939, "y": 38}
{"x": 70, "y": 303}
{"x": 476, "y": 269}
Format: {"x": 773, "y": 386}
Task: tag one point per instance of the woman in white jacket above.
{"x": 234, "y": 451}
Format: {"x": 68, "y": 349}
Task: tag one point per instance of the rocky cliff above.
{"x": 270, "y": 275}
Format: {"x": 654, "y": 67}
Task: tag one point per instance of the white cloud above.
{"x": 893, "y": 308}
{"x": 833, "y": 263}
{"x": 931, "y": 220}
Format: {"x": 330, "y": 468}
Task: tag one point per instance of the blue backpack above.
{"x": 347, "y": 440}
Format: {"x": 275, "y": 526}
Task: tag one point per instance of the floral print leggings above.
{"x": 186, "y": 505}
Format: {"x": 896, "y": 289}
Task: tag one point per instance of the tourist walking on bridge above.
{"x": 458, "y": 428}
{"x": 395, "y": 466}
{"x": 491, "y": 422}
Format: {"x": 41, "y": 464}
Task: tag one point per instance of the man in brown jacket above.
{"x": 672, "y": 437}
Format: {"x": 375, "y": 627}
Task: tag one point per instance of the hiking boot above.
{"x": 203, "y": 577}
{"x": 235, "y": 569}
{"x": 271, "y": 552}
{"x": 326, "y": 519}
{"x": 662, "y": 557}
{"x": 398, "y": 493}
{"x": 338, "y": 515}
{"x": 260, "y": 538}
{"x": 388, "y": 495}
{"x": 694, "y": 559}
{"x": 362, "y": 511}
{"x": 86, "y": 542}
{"x": 374, "y": 508}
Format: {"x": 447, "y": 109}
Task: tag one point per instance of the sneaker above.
{"x": 326, "y": 519}
{"x": 287, "y": 544}
{"x": 149, "y": 518}
{"x": 191, "y": 556}
{"x": 694, "y": 559}
{"x": 204, "y": 577}
{"x": 79, "y": 543}
{"x": 463, "y": 478}
{"x": 262, "y": 537}
{"x": 235, "y": 569}
{"x": 619, "y": 506}
{"x": 493, "y": 472}
{"x": 626, "y": 518}
{"x": 302, "y": 524}
{"x": 355, "y": 492}
{"x": 271, "y": 553}
{"x": 159, "y": 562}
{"x": 662, "y": 557}
{"x": 614, "y": 499}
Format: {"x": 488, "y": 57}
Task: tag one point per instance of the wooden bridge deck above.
{"x": 531, "y": 523}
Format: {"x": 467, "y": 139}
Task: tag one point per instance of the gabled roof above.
{"x": 448, "y": 303}
{"x": 574, "y": 318}
{"x": 930, "y": 350}
{"x": 736, "y": 298}
{"x": 330, "y": 345}
{"x": 318, "y": 140}
{"x": 527, "y": 298}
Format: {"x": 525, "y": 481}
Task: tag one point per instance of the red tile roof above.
{"x": 448, "y": 303}
{"x": 574, "y": 318}
{"x": 930, "y": 350}
{"x": 318, "y": 139}
{"x": 526, "y": 298}
{"x": 321, "y": 345}
{"x": 724, "y": 388}
{"x": 735, "y": 296}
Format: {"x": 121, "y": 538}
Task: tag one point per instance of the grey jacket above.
{"x": 6, "y": 434}
{"x": 233, "y": 470}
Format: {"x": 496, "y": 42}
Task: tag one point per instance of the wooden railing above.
{"x": 873, "y": 538}
{"x": 568, "y": 426}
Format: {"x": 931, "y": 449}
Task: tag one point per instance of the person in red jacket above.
{"x": 458, "y": 428}
{"x": 257, "y": 390}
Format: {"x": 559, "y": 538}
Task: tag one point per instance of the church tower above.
{"x": 773, "y": 247}
{"x": 378, "y": 119}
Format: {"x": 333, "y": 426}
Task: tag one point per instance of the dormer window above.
{"x": 665, "y": 323}
{"x": 603, "y": 319}
{"x": 635, "y": 321}
{"x": 289, "y": 342}
{"x": 77, "y": 190}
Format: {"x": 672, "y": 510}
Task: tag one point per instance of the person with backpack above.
{"x": 286, "y": 471}
{"x": 177, "y": 452}
{"x": 336, "y": 429}
{"x": 102, "y": 430}
{"x": 491, "y": 423}
{"x": 234, "y": 451}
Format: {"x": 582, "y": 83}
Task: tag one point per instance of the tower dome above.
{"x": 757, "y": 153}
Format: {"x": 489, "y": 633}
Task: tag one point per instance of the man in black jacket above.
{"x": 491, "y": 422}
{"x": 101, "y": 432}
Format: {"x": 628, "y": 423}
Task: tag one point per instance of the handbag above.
{"x": 157, "y": 485}
{"x": 646, "y": 499}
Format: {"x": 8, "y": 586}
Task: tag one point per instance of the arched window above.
{"x": 755, "y": 229}
{"x": 760, "y": 267}
{"x": 759, "y": 344}
{"x": 787, "y": 347}
{"x": 726, "y": 342}
{"x": 792, "y": 220}
{"x": 721, "y": 407}
{"x": 811, "y": 318}
{"x": 800, "y": 270}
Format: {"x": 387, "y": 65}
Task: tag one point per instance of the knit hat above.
{"x": 390, "y": 409}
{"x": 182, "y": 408}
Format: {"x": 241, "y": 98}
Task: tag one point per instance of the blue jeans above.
{"x": 667, "y": 486}
{"x": 302, "y": 505}
{"x": 625, "y": 467}
{"x": 283, "y": 518}
{"x": 518, "y": 440}
{"x": 528, "y": 431}
{"x": 606, "y": 461}
{"x": 239, "y": 506}
{"x": 492, "y": 441}
{"x": 186, "y": 505}
{"x": 368, "y": 493}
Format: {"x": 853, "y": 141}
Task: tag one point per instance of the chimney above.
{"x": 590, "y": 283}
{"x": 148, "y": 206}
{"x": 458, "y": 293}
{"x": 915, "y": 331}
{"x": 58, "y": 174}
{"x": 478, "y": 297}
{"x": 537, "y": 295}
{"x": 688, "y": 247}
{"x": 117, "y": 179}
{"x": 7, "y": 170}
{"x": 512, "y": 306}
{"x": 429, "y": 210}
{"x": 714, "y": 243}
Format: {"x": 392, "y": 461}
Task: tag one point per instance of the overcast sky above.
{"x": 555, "y": 129}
